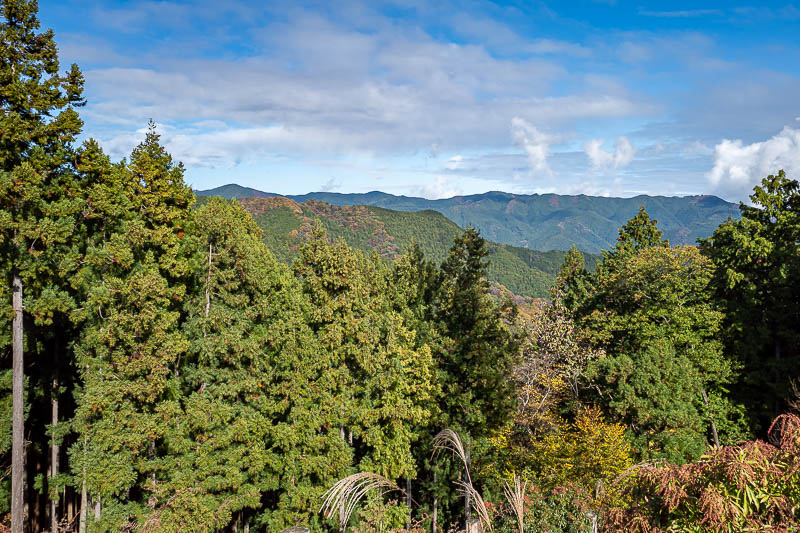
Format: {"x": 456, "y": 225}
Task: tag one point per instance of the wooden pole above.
{"x": 18, "y": 410}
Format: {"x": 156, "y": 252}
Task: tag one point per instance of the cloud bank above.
{"x": 738, "y": 166}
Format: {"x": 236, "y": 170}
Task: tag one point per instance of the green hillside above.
{"x": 285, "y": 223}
{"x": 543, "y": 221}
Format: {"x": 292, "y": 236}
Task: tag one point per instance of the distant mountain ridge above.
{"x": 539, "y": 221}
{"x": 286, "y": 224}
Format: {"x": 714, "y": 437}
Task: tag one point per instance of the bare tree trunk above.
{"x": 97, "y": 508}
{"x": 54, "y": 451}
{"x": 777, "y": 410}
{"x": 435, "y": 507}
{"x": 17, "y": 438}
{"x": 84, "y": 505}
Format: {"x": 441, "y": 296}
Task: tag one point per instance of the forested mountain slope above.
{"x": 542, "y": 221}
{"x": 286, "y": 222}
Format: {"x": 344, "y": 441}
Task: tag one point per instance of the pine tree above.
{"x": 37, "y": 126}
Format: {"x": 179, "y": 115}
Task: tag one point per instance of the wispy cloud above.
{"x": 535, "y": 143}
{"x": 684, "y": 13}
{"x": 601, "y": 159}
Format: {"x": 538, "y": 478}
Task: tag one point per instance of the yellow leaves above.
{"x": 585, "y": 451}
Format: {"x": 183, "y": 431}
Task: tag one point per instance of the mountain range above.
{"x": 538, "y": 221}
{"x": 286, "y": 223}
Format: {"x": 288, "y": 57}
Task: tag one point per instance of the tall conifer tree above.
{"x": 132, "y": 342}
{"x": 384, "y": 382}
{"x": 37, "y": 126}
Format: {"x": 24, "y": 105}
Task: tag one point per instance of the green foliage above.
{"x": 381, "y": 379}
{"x": 573, "y": 282}
{"x": 40, "y": 203}
{"x": 757, "y": 284}
{"x": 135, "y": 281}
{"x": 203, "y": 383}
{"x": 377, "y": 516}
{"x": 652, "y": 316}
{"x": 563, "y": 510}
{"x": 665, "y": 377}
{"x": 480, "y": 350}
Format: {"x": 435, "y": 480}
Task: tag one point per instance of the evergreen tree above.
{"x": 135, "y": 280}
{"x": 383, "y": 381}
{"x": 664, "y": 375}
{"x": 37, "y": 126}
{"x": 572, "y": 285}
{"x": 480, "y": 349}
{"x": 253, "y": 433}
{"x": 475, "y": 351}
{"x": 757, "y": 283}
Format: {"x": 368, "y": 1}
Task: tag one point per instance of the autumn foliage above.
{"x": 753, "y": 486}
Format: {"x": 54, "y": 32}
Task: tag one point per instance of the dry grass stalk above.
{"x": 448, "y": 440}
{"x": 478, "y": 505}
{"x": 515, "y": 494}
{"x": 345, "y": 495}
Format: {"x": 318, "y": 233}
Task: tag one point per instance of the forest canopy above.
{"x": 163, "y": 371}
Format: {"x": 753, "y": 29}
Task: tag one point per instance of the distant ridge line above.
{"x": 547, "y": 221}
{"x": 224, "y": 190}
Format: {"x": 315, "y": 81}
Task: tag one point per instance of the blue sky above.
{"x": 442, "y": 98}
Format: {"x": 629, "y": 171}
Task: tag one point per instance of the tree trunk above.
{"x": 18, "y": 399}
{"x": 54, "y": 451}
{"x": 408, "y": 501}
{"x": 84, "y": 505}
{"x": 435, "y": 506}
{"x": 713, "y": 423}
{"x": 777, "y": 409}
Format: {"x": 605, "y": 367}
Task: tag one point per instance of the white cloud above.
{"x": 441, "y": 187}
{"x": 535, "y": 143}
{"x": 738, "y": 166}
{"x": 601, "y": 159}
